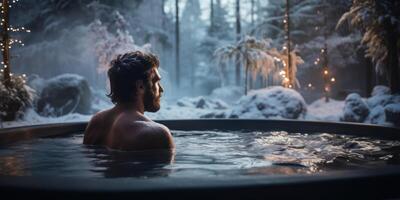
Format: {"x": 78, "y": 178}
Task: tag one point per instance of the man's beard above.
{"x": 151, "y": 101}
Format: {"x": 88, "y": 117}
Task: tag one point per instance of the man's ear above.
{"x": 140, "y": 86}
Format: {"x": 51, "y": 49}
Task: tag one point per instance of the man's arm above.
{"x": 91, "y": 129}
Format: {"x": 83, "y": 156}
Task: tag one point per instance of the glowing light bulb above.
{"x": 333, "y": 79}
{"x": 326, "y": 72}
{"x": 309, "y": 85}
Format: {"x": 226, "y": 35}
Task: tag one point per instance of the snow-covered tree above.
{"x": 14, "y": 94}
{"x": 254, "y": 55}
{"x": 219, "y": 25}
{"x": 303, "y": 15}
{"x": 192, "y": 25}
{"x": 289, "y": 76}
{"x": 379, "y": 22}
{"x": 109, "y": 45}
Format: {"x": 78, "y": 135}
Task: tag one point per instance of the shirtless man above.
{"x": 135, "y": 88}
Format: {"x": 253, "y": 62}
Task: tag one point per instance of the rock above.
{"x": 392, "y": 112}
{"x": 380, "y": 90}
{"x": 272, "y": 102}
{"x": 63, "y": 94}
{"x": 219, "y": 114}
{"x": 202, "y": 103}
{"x": 355, "y": 109}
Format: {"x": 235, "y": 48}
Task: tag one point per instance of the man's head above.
{"x": 134, "y": 77}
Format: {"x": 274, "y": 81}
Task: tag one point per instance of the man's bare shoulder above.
{"x": 143, "y": 134}
{"x": 95, "y": 124}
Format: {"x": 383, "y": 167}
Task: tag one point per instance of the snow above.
{"x": 229, "y": 94}
{"x": 273, "y": 102}
{"x": 33, "y": 118}
{"x": 380, "y": 90}
{"x": 326, "y": 111}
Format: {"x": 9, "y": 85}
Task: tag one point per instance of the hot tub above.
{"x": 242, "y": 176}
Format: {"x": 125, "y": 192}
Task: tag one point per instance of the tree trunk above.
{"x": 252, "y": 12}
{"x": 6, "y": 45}
{"x": 177, "y": 72}
{"x": 238, "y": 32}
{"x": 393, "y": 60}
{"x": 212, "y": 15}
{"x": 246, "y": 79}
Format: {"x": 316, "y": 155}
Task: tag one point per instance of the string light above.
{"x": 323, "y": 56}
{"x": 7, "y": 42}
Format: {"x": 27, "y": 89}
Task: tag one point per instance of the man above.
{"x": 135, "y": 88}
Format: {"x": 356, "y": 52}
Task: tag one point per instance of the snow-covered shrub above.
{"x": 392, "y": 112}
{"x": 377, "y": 115}
{"x": 381, "y": 100}
{"x": 272, "y": 102}
{"x": 63, "y": 94}
{"x": 229, "y": 94}
{"x": 355, "y": 109}
{"x": 380, "y": 90}
{"x": 15, "y": 99}
{"x": 381, "y": 104}
{"x": 202, "y": 103}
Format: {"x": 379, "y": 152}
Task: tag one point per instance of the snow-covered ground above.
{"x": 325, "y": 111}
{"x": 275, "y": 102}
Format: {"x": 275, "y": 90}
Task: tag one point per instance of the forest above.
{"x": 292, "y": 59}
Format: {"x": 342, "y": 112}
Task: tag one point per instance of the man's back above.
{"x": 125, "y": 130}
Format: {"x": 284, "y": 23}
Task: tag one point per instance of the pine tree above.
{"x": 219, "y": 26}
{"x": 379, "y": 22}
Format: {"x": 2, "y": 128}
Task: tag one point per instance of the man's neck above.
{"x": 134, "y": 107}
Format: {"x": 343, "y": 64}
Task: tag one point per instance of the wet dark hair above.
{"x": 125, "y": 70}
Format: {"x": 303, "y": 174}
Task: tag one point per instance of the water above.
{"x": 200, "y": 154}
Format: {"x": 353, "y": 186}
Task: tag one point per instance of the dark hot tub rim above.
{"x": 9, "y": 135}
{"x": 372, "y": 183}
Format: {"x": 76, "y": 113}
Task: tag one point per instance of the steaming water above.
{"x": 201, "y": 154}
